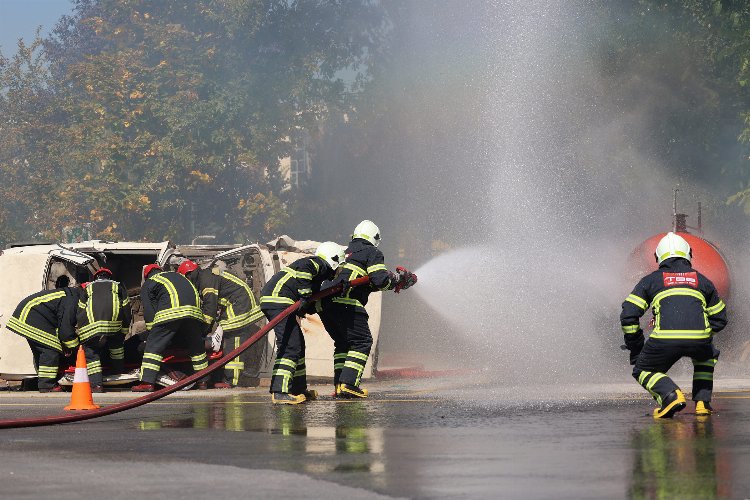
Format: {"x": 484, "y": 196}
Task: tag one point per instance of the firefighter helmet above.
{"x": 672, "y": 245}
{"x": 187, "y": 266}
{"x": 331, "y": 252}
{"x": 150, "y": 268}
{"x": 101, "y": 271}
{"x": 367, "y": 230}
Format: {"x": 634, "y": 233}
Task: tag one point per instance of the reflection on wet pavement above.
{"x": 350, "y": 432}
{"x": 445, "y": 448}
{"x": 680, "y": 459}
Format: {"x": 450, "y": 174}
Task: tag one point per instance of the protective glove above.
{"x": 406, "y": 279}
{"x": 634, "y": 344}
{"x": 345, "y": 286}
{"x": 304, "y": 306}
{"x": 67, "y": 351}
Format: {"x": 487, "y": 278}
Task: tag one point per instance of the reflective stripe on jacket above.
{"x": 363, "y": 259}
{"x": 104, "y": 307}
{"x": 47, "y": 317}
{"x": 225, "y": 291}
{"x": 685, "y": 303}
{"x": 169, "y": 296}
{"x": 299, "y": 279}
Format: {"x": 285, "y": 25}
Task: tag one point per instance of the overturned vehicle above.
{"x": 29, "y": 268}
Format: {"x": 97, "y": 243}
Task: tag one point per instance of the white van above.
{"x": 29, "y": 268}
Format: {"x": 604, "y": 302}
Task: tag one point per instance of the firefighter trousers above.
{"x": 94, "y": 348}
{"x": 289, "y": 373}
{"x": 160, "y": 336}
{"x": 658, "y": 356}
{"x": 244, "y": 370}
{"x": 348, "y": 327}
{"x": 47, "y": 364}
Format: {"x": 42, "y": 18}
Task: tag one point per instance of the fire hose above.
{"x": 153, "y": 396}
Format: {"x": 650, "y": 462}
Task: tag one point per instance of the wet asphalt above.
{"x": 424, "y": 439}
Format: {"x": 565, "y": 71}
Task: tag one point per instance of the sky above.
{"x": 20, "y": 18}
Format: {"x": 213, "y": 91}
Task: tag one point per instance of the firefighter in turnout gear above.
{"x": 239, "y": 313}
{"x": 103, "y": 321}
{"x": 687, "y": 313}
{"x": 47, "y": 320}
{"x": 298, "y": 281}
{"x": 345, "y": 317}
{"x": 171, "y": 309}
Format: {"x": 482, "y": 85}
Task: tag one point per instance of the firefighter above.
{"x": 47, "y": 320}
{"x": 103, "y": 321}
{"x": 171, "y": 308}
{"x": 298, "y": 281}
{"x": 239, "y": 312}
{"x": 345, "y": 317}
{"x": 687, "y": 313}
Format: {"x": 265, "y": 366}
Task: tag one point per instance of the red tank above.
{"x": 707, "y": 259}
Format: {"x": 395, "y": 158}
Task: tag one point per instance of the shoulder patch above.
{"x": 681, "y": 279}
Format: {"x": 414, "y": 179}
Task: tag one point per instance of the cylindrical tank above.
{"x": 707, "y": 260}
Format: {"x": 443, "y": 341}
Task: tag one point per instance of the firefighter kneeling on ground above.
{"x": 171, "y": 308}
{"x": 103, "y": 320}
{"x": 239, "y": 312}
{"x": 345, "y": 317}
{"x": 687, "y": 312}
{"x": 298, "y": 281}
{"x": 47, "y": 320}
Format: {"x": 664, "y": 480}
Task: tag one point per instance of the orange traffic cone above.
{"x": 81, "y": 398}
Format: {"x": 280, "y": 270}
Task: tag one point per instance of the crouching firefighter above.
{"x": 103, "y": 321}
{"x": 687, "y": 312}
{"x": 47, "y": 320}
{"x": 239, "y": 312}
{"x": 171, "y": 309}
{"x": 345, "y": 317}
{"x": 298, "y": 281}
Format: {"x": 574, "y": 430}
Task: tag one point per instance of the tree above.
{"x": 168, "y": 116}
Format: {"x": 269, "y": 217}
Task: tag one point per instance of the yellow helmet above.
{"x": 672, "y": 245}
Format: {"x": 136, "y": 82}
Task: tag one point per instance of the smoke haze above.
{"x": 537, "y": 171}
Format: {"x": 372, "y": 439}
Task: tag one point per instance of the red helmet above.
{"x": 187, "y": 266}
{"x": 103, "y": 270}
{"x": 151, "y": 267}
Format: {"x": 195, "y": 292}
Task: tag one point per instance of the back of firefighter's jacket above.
{"x": 220, "y": 290}
{"x": 169, "y": 296}
{"x": 299, "y": 279}
{"x": 103, "y": 308}
{"x": 47, "y": 317}
{"x": 686, "y": 305}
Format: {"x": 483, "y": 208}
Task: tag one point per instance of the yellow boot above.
{"x": 671, "y": 404}
{"x": 703, "y": 408}
{"x": 347, "y": 391}
{"x": 287, "y": 399}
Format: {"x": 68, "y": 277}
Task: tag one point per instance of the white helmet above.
{"x": 331, "y": 252}
{"x": 367, "y": 230}
{"x": 672, "y": 245}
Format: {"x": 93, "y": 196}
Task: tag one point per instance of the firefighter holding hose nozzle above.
{"x": 687, "y": 313}
{"x": 345, "y": 317}
{"x": 298, "y": 281}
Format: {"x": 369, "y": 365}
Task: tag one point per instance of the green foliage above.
{"x": 156, "y": 119}
{"x": 720, "y": 30}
